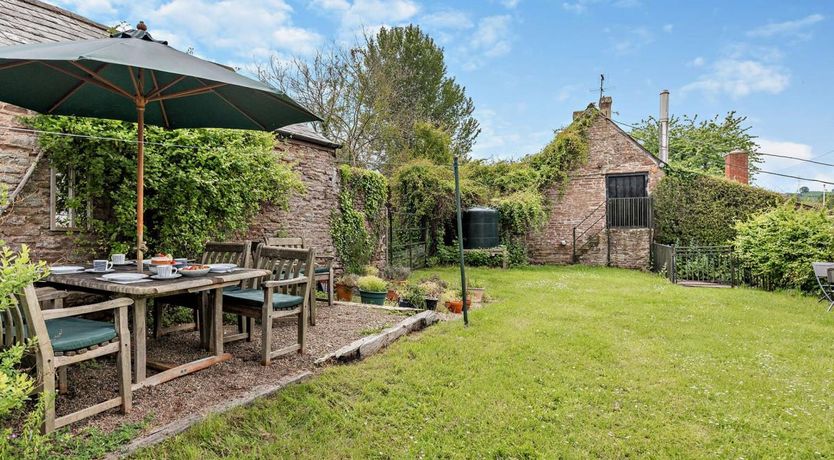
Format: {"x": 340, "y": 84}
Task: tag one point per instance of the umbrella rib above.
{"x": 156, "y": 92}
{"x": 135, "y": 83}
{"x": 106, "y": 86}
{"x": 72, "y": 91}
{"x": 188, "y": 92}
{"x": 14, "y": 64}
{"x": 102, "y": 80}
{"x": 239, "y": 110}
{"x": 161, "y": 104}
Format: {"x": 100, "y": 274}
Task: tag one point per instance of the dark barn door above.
{"x": 628, "y": 203}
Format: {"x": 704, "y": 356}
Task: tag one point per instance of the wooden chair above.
{"x": 64, "y": 339}
{"x": 284, "y": 293}
{"x": 323, "y": 271}
{"x": 215, "y": 252}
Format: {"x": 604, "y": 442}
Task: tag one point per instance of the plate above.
{"x": 90, "y": 270}
{"x": 193, "y": 273}
{"x": 222, "y": 268}
{"x": 64, "y": 269}
{"x": 172, "y": 277}
{"x": 124, "y": 276}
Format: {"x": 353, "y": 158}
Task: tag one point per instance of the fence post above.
{"x": 573, "y": 257}
{"x": 732, "y": 268}
{"x": 672, "y": 273}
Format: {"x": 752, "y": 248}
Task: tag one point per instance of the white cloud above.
{"x": 89, "y": 8}
{"x": 697, "y": 62}
{"x": 242, "y": 28}
{"x": 510, "y": 3}
{"x": 566, "y": 92}
{"x": 501, "y": 139}
{"x": 581, "y": 6}
{"x": 633, "y": 40}
{"x": 787, "y": 166}
{"x": 797, "y": 28}
{"x": 367, "y": 16}
{"x": 668, "y": 28}
{"x": 739, "y": 78}
{"x": 447, "y": 19}
{"x": 492, "y": 38}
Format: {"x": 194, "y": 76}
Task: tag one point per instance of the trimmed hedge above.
{"x": 693, "y": 208}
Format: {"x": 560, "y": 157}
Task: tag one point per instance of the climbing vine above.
{"x": 200, "y": 184}
{"x": 358, "y": 225}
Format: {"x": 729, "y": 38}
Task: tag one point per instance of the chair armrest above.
{"x": 84, "y": 309}
{"x": 49, "y": 293}
{"x": 325, "y": 261}
{"x": 287, "y": 282}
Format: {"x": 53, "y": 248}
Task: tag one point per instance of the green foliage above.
{"x": 200, "y": 184}
{"x": 431, "y": 143}
{"x": 406, "y": 81}
{"x": 701, "y": 145}
{"x": 521, "y": 213}
{"x": 371, "y": 283}
{"x": 781, "y": 244}
{"x": 396, "y": 272}
{"x": 448, "y": 255}
{"x": 699, "y": 209}
{"x": 567, "y": 151}
{"x": 356, "y": 233}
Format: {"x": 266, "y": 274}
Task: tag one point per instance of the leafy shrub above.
{"x": 357, "y": 225}
{"x": 200, "y": 184}
{"x": 781, "y": 244}
{"x": 521, "y": 213}
{"x": 396, "y": 272}
{"x": 372, "y": 283}
{"x": 693, "y": 208}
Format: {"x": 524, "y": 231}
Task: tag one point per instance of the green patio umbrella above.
{"x": 132, "y": 77}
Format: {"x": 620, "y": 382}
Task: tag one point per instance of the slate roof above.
{"x": 305, "y": 132}
{"x": 32, "y": 21}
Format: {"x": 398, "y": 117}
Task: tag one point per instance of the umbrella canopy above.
{"x": 133, "y": 77}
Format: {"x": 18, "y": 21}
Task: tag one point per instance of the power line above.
{"x": 86, "y": 136}
{"x": 796, "y": 177}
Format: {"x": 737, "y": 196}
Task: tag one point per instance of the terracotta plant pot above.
{"x": 476, "y": 294}
{"x": 393, "y": 295}
{"x": 344, "y": 293}
{"x": 455, "y": 306}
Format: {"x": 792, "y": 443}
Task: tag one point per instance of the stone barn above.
{"x": 30, "y": 215}
{"x": 604, "y": 215}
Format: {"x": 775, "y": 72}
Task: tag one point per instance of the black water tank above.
{"x": 480, "y": 228}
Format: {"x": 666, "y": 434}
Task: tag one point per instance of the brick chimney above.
{"x": 605, "y": 105}
{"x": 737, "y": 166}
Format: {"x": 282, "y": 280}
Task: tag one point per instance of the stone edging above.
{"x": 178, "y": 426}
{"x": 366, "y": 346}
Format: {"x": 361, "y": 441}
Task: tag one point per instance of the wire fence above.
{"x": 407, "y": 244}
{"x": 704, "y": 264}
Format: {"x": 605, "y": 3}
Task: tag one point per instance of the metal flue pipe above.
{"x": 664, "y": 125}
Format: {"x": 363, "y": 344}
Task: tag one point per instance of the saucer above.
{"x": 172, "y": 277}
{"x": 90, "y": 270}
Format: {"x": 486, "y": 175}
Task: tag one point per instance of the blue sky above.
{"x": 528, "y": 64}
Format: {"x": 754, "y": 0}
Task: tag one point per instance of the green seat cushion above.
{"x": 255, "y": 298}
{"x": 68, "y": 334}
{"x": 322, "y": 270}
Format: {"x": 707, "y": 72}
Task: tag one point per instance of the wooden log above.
{"x": 179, "y": 371}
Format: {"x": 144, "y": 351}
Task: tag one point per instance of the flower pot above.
{"x": 373, "y": 298}
{"x": 393, "y": 295}
{"x": 476, "y": 294}
{"x": 344, "y": 293}
{"x": 431, "y": 304}
{"x": 403, "y": 303}
{"x": 455, "y": 306}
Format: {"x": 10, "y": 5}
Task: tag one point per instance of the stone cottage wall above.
{"x": 610, "y": 151}
{"x": 27, "y": 221}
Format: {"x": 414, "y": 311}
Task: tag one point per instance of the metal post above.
{"x": 460, "y": 245}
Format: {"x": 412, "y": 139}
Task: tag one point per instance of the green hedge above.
{"x": 780, "y": 245}
{"x": 693, "y": 208}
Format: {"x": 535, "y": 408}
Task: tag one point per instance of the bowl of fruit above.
{"x": 195, "y": 270}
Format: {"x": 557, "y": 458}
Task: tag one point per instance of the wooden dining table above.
{"x": 142, "y": 291}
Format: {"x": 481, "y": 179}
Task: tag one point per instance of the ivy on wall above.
{"x": 200, "y": 184}
{"x": 358, "y": 224}
{"x": 694, "y": 208}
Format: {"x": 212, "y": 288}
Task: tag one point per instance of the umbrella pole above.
{"x": 140, "y": 185}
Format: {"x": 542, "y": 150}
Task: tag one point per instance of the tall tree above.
{"x": 701, "y": 144}
{"x": 379, "y": 98}
{"x": 406, "y": 76}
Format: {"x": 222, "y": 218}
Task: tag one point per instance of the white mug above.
{"x": 118, "y": 259}
{"x": 102, "y": 265}
{"x": 166, "y": 271}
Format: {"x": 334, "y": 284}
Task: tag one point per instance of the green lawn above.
{"x": 568, "y": 361}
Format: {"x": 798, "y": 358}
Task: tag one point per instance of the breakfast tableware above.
{"x": 118, "y": 259}
{"x": 166, "y": 271}
{"x": 65, "y": 269}
{"x": 195, "y": 270}
{"x": 102, "y": 265}
{"x": 222, "y": 268}
{"x": 160, "y": 277}
{"x": 124, "y": 276}
{"x": 93, "y": 270}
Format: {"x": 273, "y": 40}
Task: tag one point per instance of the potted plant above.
{"x": 476, "y": 289}
{"x": 392, "y": 295}
{"x": 372, "y": 289}
{"x": 431, "y": 293}
{"x": 344, "y": 287}
{"x": 396, "y": 273}
{"x": 370, "y": 270}
{"x": 455, "y": 304}
{"x": 413, "y": 297}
